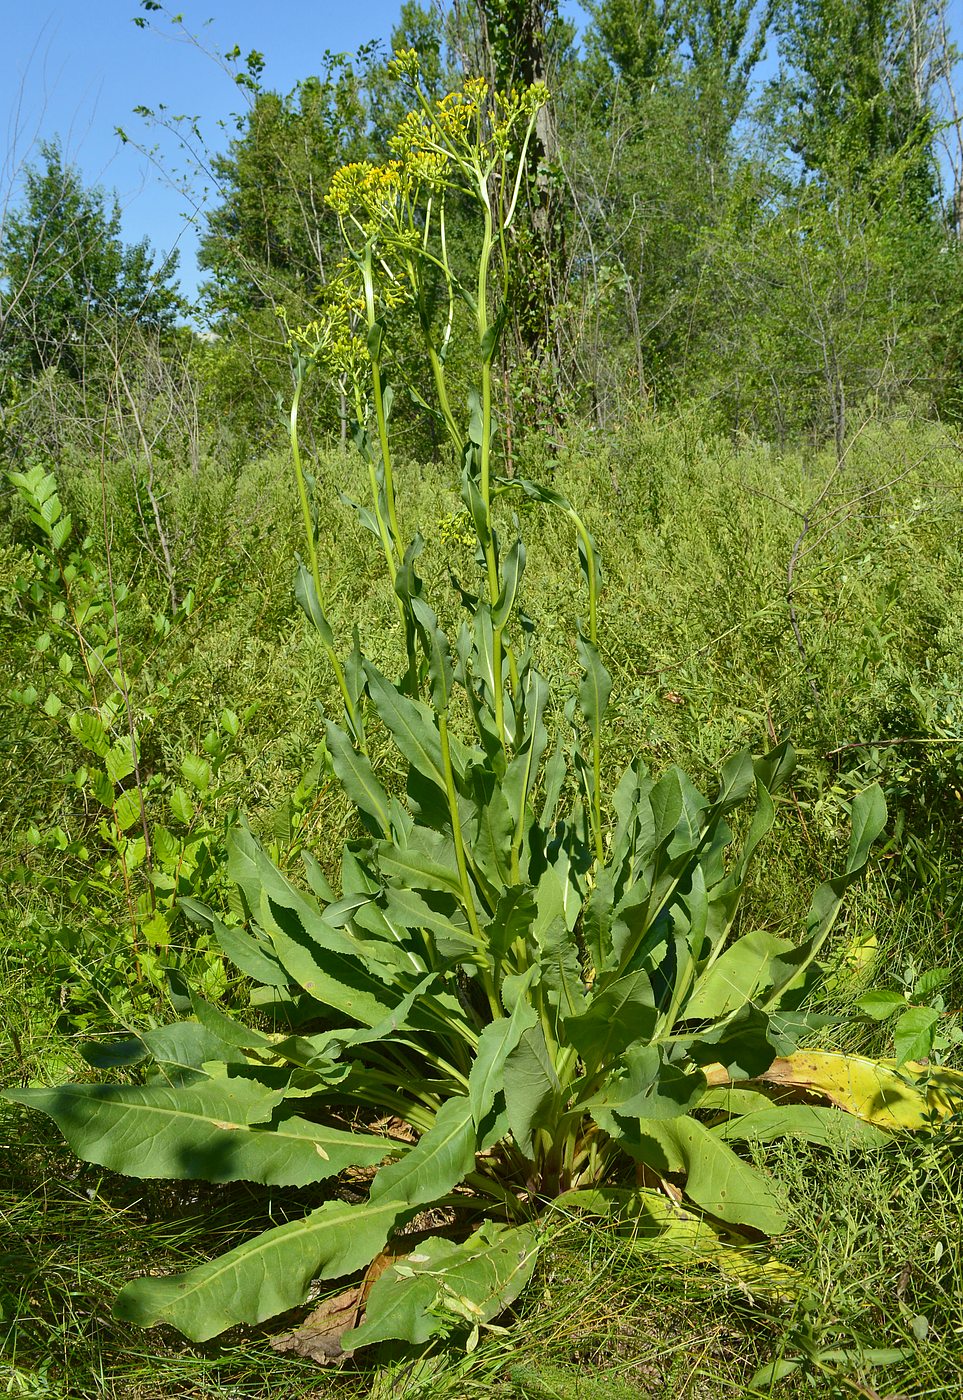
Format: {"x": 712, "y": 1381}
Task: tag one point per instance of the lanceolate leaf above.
{"x": 356, "y": 776}
{"x": 910, "y": 1098}
{"x": 596, "y": 687}
{"x": 868, "y": 818}
{"x": 186, "y": 1045}
{"x": 221, "y": 1130}
{"x": 343, "y": 983}
{"x": 426, "y": 862}
{"x": 826, "y": 1126}
{"x": 736, "y": 976}
{"x": 441, "y": 1283}
{"x": 495, "y": 1044}
{"x": 254, "y": 958}
{"x": 512, "y": 570}
{"x": 226, "y": 1028}
{"x": 160, "y": 1130}
{"x": 715, "y": 1178}
{"x": 307, "y": 596}
{"x": 411, "y": 724}
{"x": 441, "y": 1158}
{"x": 264, "y": 1276}
{"x": 532, "y": 1088}
{"x": 449, "y": 928}
{"x": 492, "y": 828}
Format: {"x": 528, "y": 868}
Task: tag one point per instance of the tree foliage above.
{"x": 64, "y": 268}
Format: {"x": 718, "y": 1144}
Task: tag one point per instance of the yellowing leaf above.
{"x": 680, "y": 1237}
{"x": 873, "y": 1090}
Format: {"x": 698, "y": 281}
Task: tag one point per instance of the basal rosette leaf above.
{"x": 715, "y": 1178}
{"x": 673, "y": 1234}
{"x": 263, "y": 1276}
{"x": 442, "y": 1284}
{"x": 905, "y": 1098}
{"x": 222, "y": 1130}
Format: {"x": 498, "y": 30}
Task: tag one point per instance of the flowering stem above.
{"x": 379, "y": 403}
{"x": 357, "y": 726}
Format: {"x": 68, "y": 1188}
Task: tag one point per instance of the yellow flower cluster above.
{"x": 455, "y": 142}
{"x": 456, "y": 530}
{"x": 332, "y": 340}
{"x": 436, "y": 146}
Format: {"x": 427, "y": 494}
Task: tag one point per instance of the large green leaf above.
{"x": 736, "y": 976}
{"x": 307, "y": 596}
{"x": 448, "y": 926}
{"x": 644, "y": 1085}
{"x": 187, "y": 1045}
{"x": 252, "y": 956}
{"x": 496, "y": 1042}
{"x": 737, "y": 781}
{"x": 288, "y": 915}
{"x": 491, "y": 828}
{"x": 511, "y": 921}
{"x": 521, "y": 773}
{"x": 746, "y": 1043}
{"x": 596, "y": 686}
{"x": 532, "y": 1088}
{"x": 551, "y": 932}
{"x": 672, "y": 1234}
{"x": 356, "y": 776}
{"x": 263, "y": 1276}
{"x": 826, "y": 1126}
{"x": 868, "y": 819}
{"x": 597, "y": 918}
{"x": 214, "y": 1131}
{"x": 614, "y": 1019}
{"x": 411, "y": 724}
{"x": 440, "y": 1284}
{"x": 438, "y": 653}
{"x": 715, "y": 1178}
{"x": 441, "y": 1158}
{"x": 512, "y": 569}
{"x": 343, "y": 983}
{"x": 426, "y": 861}
{"x": 225, "y": 1027}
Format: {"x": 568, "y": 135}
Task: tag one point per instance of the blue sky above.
{"x": 75, "y": 69}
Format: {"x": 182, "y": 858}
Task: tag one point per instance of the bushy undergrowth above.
{"x": 696, "y": 630}
{"x": 698, "y": 633}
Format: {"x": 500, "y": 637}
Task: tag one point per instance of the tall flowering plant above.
{"x": 518, "y": 995}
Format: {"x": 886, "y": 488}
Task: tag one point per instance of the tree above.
{"x": 648, "y": 154}
{"x": 854, "y": 94}
{"x": 829, "y": 311}
{"x": 64, "y": 266}
{"x": 271, "y": 237}
{"x": 726, "y": 40}
{"x": 634, "y": 41}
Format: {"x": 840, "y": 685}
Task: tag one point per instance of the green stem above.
{"x": 379, "y": 403}
{"x": 593, "y": 589}
{"x": 468, "y": 898}
{"x": 357, "y": 727}
{"x": 491, "y": 558}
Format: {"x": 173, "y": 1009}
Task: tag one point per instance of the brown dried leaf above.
{"x": 318, "y": 1337}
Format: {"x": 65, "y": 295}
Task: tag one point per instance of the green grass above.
{"x": 696, "y": 538}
